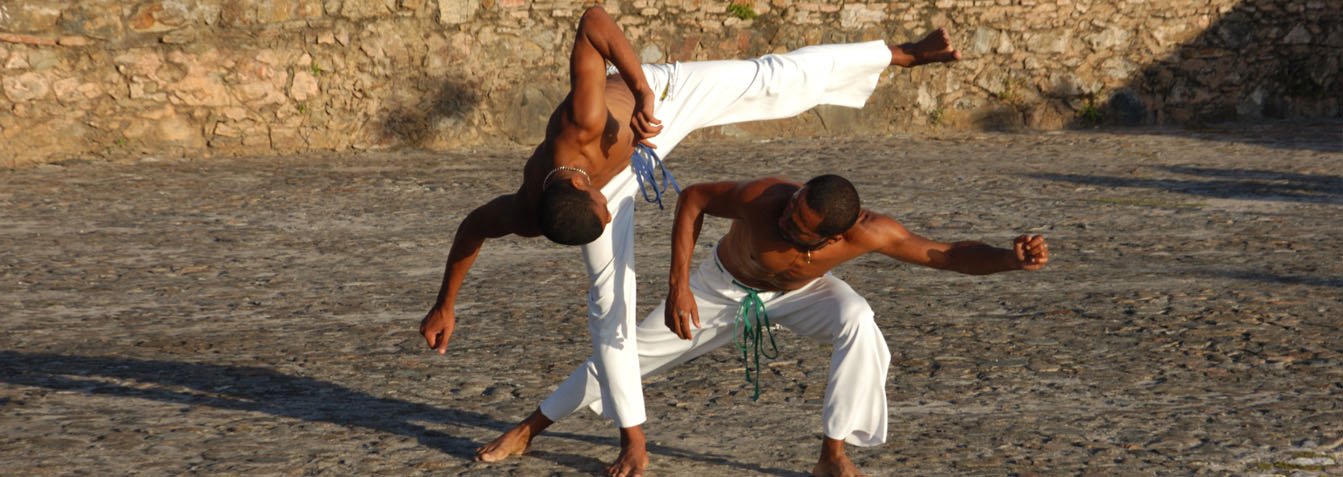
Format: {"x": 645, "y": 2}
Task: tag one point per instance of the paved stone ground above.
{"x": 258, "y": 316}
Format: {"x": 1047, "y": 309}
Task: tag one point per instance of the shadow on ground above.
{"x": 1280, "y": 279}
{"x": 1220, "y": 183}
{"x": 254, "y": 389}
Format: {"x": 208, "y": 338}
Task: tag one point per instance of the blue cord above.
{"x": 645, "y": 163}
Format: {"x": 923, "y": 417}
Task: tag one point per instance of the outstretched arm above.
{"x": 599, "y": 40}
{"x": 495, "y": 219}
{"x": 969, "y": 257}
{"x": 721, "y": 199}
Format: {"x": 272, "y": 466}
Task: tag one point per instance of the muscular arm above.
{"x": 495, "y": 219}
{"x": 597, "y": 41}
{"x": 720, "y": 199}
{"x": 969, "y": 257}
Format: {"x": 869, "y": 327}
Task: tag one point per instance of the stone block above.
{"x": 982, "y": 41}
{"x": 259, "y": 140}
{"x": 286, "y": 139}
{"x": 17, "y": 61}
{"x": 30, "y": 16}
{"x": 146, "y": 91}
{"x": 650, "y": 54}
{"x": 99, "y": 19}
{"x": 924, "y": 99}
{"x": 1235, "y": 31}
{"x": 453, "y": 12}
{"x": 200, "y": 88}
{"x": 855, "y": 15}
{"x": 277, "y": 11}
{"x": 91, "y": 90}
{"x": 1299, "y": 35}
{"x": 176, "y": 130}
{"x": 139, "y": 62}
{"x": 1117, "y": 69}
{"x": 1109, "y": 39}
{"x": 67, "y": 90}
{"x": 1126, "y": 108}
{"x": 261, "y": 12}
{"x": 1047, "y": 117}
{"x": 1173, "y": 33}
{"x": 157, "y": 17}
{"x": 45, "y": 58}
{"x": 1055, "y": 41}
{"x": 227, "y": 129}
{"x": 309, "y": 9}
{"x": 304, "y": 86}
{"x": 840, "y": 120}
{"x": 523, "y": 113}
{"x": 30, "y": 86}
{"x": 363, "y": 9}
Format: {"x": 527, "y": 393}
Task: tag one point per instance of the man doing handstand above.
{"x": 774, "y": 264}
{"x": 579, "y": 185}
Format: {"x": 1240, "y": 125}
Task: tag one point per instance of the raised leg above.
{"x": 934, "y": 48}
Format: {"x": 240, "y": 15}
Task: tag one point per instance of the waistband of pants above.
{"x": 739, "y": 284}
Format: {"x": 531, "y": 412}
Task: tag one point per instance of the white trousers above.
{"x": 692, "y": 96}
{"x": 826, "y": 310}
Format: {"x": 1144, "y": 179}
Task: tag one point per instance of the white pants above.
{"x": 826, "y": 310}
{"x": 692, "y": 96}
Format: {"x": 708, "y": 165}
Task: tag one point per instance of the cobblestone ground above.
{"x": 258, "y": 316}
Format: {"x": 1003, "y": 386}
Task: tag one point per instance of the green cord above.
{"x": 749, "y": 332}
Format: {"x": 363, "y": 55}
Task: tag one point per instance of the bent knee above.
{"x": 853, "y": 315}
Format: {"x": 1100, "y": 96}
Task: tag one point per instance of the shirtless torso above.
{"x": 773, "y": 244}
{"x": 601, "y": 154}
{"x": 589, "y": 139}
{"x": 761, "y": 249}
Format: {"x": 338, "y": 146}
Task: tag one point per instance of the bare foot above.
{"x": 840, "y": 468}
{"x": 834, "y": 462}
{"x": 511, "y": 443}
{"x": 515, "y": 441}
{"x": 934, "y": 48}
{"x": 633, "y": 458}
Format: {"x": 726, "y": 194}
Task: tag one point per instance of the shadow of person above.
{"x": 256, "y": 389}
{"x": 1224, "y": 183}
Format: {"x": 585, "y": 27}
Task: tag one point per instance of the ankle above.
{"x": 901, "y": 55}
{"x": 632, "y": 436}
{"x": 535, "y": 423}
{"x": 832, "y": 450}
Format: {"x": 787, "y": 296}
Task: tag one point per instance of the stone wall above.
{"x": 208, "y": 77}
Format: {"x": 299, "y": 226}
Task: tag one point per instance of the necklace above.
{"x": 809, "y": 256}
{"x": 546, "y": 181}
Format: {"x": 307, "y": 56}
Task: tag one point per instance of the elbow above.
{"x": 594, "y": 13}
{"x": 688, "y": 195}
